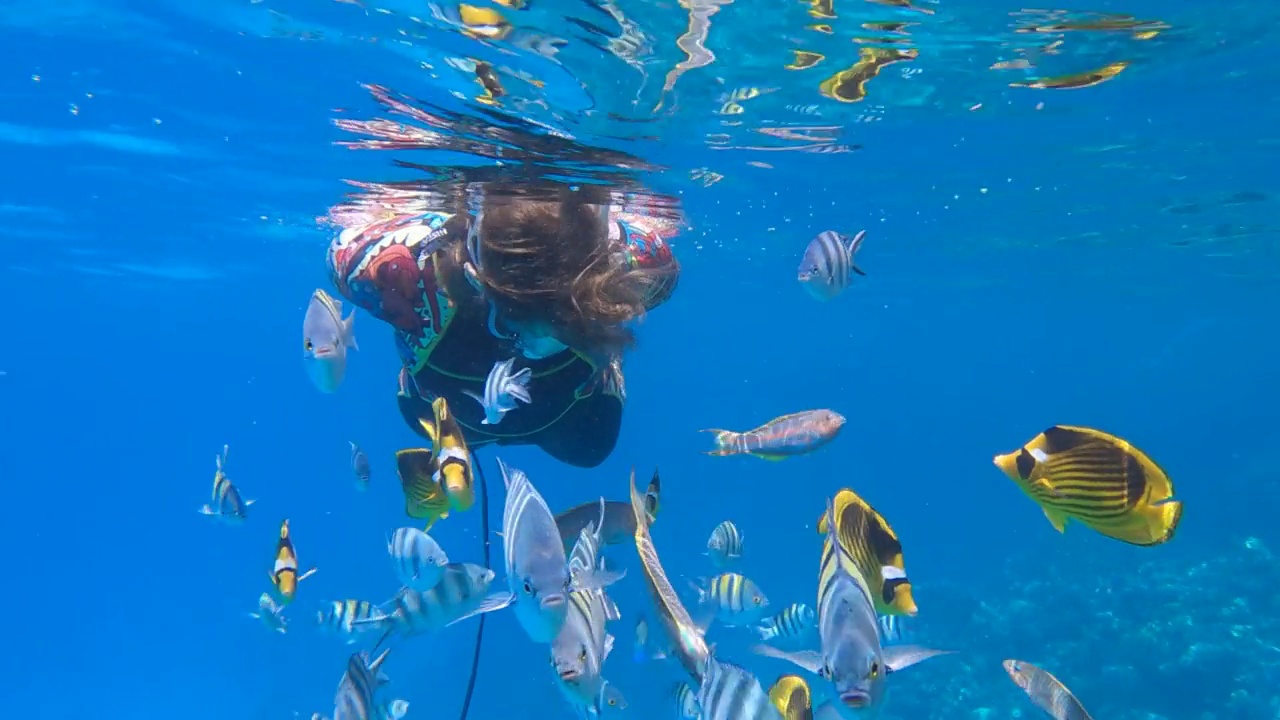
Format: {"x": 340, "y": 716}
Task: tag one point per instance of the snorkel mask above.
{"x": 534, "y": 341}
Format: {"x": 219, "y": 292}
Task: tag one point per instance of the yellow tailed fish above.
{"x": 284, "y": 574}
{"x": 1098, "y": 480}
{"x": 876, "y": 551}
{"x": 423, "y": 497}
{"x": 791, "y": 696}
{"x": 453, "y": 471}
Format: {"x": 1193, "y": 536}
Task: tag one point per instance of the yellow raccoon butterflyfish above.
{"x": 423, "y": 497}
{"x": 876, "y": 551}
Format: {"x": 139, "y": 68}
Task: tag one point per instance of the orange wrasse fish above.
{"x": 284, "y": 574}
{"x": 780, "y": 438}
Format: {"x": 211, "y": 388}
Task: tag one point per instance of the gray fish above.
{"x": 348, "y": 619}
{"x": 271, "y": 614}
{"x": 537, "y": 571}
{"x": 1046, "y": 691}
{"x": 728, "y": 692}
{"x": 418, "y": 558}
{"x": 460, "y": 594}
{"x": 619, "y": 524}
{"x": 501, "y": 391}
{"x": 725, "y": 544}
{"x": 225, "y": 503}
{"x": 356, "y": 698}
{"x": 582, "y": 645}
{"x": 326, "y": 337}
{"x": 825, "y": 270}
{"x": 852, "y": 656}
{"x": 795, "y": 620}
{"x": 686, "y": 700}
{"x": 360, "y": 466}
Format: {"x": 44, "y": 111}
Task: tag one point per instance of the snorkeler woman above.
{"x": 553, "y": 282}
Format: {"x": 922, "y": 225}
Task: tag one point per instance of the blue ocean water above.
{"x": 1103, "y": 256}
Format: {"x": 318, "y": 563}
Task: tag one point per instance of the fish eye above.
{"x": 756, "y": 599}
{"x": 582, "y": 655}
{"x": 875, "y": 670}
{"x": 528, "y": 587}
{"x": 613, "y": 702}
{"x": 306, "y": 345}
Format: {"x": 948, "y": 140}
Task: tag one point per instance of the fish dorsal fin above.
{"x": 608, "y": 646}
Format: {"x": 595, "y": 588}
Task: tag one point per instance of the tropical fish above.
{"x": 686, "y": 700}
{"x": 348, "y": 618}
{"x": 875, "y": 550}
{"x": 688, "y": 640}
{"x": 226, "y": 503}
{"x": 1046, "y": 691}
{"x": 1098, "y": 480}
{"x": 725, "y": 544}
{"x": 580, "y": 648}
{"x": 501, "y": 391}
{"x": 451, "y": 467}
{"x": 828, "y": 263}
{"x": 893, "y": 629}
{"x": 619, "y": 524}
{"x": 360, "y": 466}
{"x": 645, "y": 647}
{"x": 792, "y": 698}
{"x": 736, "y": 599}
{"x": 728, "y": 692}
{"x": 795, "y": 621}
{"x": 284, "y": 573}
{"x": 418, "y": 558}
{"x": 423, "y": 496}
{"x": 271, "y": 614}
{"x": 357, "y": 699}
{"x": 326, "y": 337}
{"x": 852, "y": 657}
{"x": 781, "y": 438}
{"x": 463, "y": 591}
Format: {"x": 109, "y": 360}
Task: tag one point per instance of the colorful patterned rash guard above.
{"x": 389, "y": 268}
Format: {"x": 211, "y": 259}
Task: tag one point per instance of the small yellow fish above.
{"x": 284, "y": 574}
{"x": 875, "y": 550}
{"x": 1098, "y": 480}
{"x": 791, "y": 696}
{"x": 423, "y": 497}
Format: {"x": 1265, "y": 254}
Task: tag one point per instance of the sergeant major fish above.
{"x": 284, "y": 573}
{"x": 357, "y": 696}
{"x": 348, "y": 618}
{"x": 828, "y": 263}
{"x": 226, "y": 503}
{"x": 780, "y": 438}
{"x": 463, "y": 591}
{"x": 725, "y": 544}
{"x": 737, "y": 600}
{"x": 794, "y": 621}
{"x": 326, "y": 337}
{"x": 582, "y": 645}
{"x": 852, "y": 657}
{"x": 501, "y": 391}
{"x": 619, "y": 524}
{"x": 360, "y": 467}
{"x": 418, "y": 558}
{"x": 729, "y": 692}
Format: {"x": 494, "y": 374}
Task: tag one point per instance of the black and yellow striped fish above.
{"x": 791, "y": 696}
{"x": 284, "y": 574}
{"x": 876, "y": 551}
{"x": 452, "y": 471}
{"x": 1098, "y": 480}
{"x": 423, "y": 497}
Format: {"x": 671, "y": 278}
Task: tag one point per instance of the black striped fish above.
{"x": 418, "y": 558}
{"x": 463, "y": 591}
{"x": 876, "y": 551}
{"x": 348, "y": 618}
{"x": 852, "y": 657}
{"x": 1098, "y": 480}
{"x": 686, "y": 701}
{"x": 828, "y": 263}
{"x": 1046, "y": 691}
{"x": 502, "y": 388}
{"x": 225, "y": 503}
{"x": 795, "y": 621}
{"x": 725, "y": 544}
{"x": 357, "y": 696}
{"x": 737, "y": 599}
{"x": 580, "y": 648}
{"x": 689, "y": 643}
{"x": 728, "y": 692}
{"x": 284, "y": 573}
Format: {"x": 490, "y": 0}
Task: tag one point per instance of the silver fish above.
{"x": 725, "y": 544}
{"x": 825, "y": 270}
{"x": 852, "y": 657}
{"x": 729, "y": 692}
{"x": 1046, "y": 691}
{"x": 348, "y": 619}
{"x": 356, "y": 698}
{"x": 460, "y": 594}
{"x": 360, "y": 466}
{"x": 501, "y": 391}
{"x": 795, "y": 620}
{"x": 326, "y": 338}
{"x": 418, "y": 558}
{"x": 271, "y": 614}
{"x": 686, "y": 700}
{"x": 582, "y": 645}
{"x": 225, "y": 503}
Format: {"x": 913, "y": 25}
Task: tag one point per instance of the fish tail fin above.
{"x": 724, "y": 442}
{"x": 473, "y": 396}
{"x": 766, "y": 632}
{"x": 857, "y": 269}
{"x": 855, "y": 243}
{"x": 1170, "y": 514}
{"x": 349, "y": 331}
{"x": 496, "y": 601}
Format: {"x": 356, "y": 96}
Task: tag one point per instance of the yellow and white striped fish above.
{"x": 725, "y": 544}
{"x": 737, "y": 600}
{"x": 348, "y": 618}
